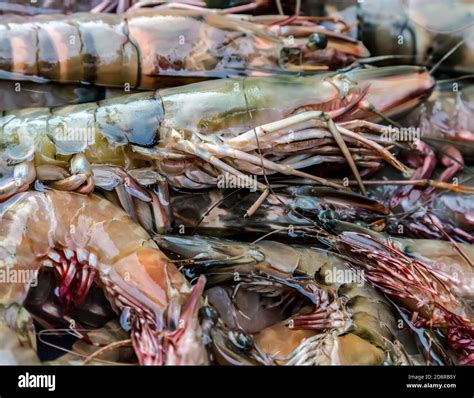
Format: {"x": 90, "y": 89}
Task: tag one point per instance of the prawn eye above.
{"x": 317, "y": 41}
{"x": 241, "y": 340}
{"x": 208, "y": 313}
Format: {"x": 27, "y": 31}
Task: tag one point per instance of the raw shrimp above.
{"x": 87, "y": 240}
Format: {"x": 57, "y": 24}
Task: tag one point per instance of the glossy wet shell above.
{"x": 98, "y": 129}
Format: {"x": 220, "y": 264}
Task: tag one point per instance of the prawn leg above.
{"x": 208, "y": 151}
{"x": 80, "y": 179}
{"x": 292, "y": 121}
{"x": 23, "y": 175}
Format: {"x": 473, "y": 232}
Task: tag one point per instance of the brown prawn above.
{"x": 86, "y": 240}
{"x": 151, "y": 48}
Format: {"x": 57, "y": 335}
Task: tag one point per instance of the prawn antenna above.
{"x": 445, "y": 56}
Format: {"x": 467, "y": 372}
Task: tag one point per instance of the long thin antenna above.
{"x": 455, "y": 79}
{"x": 448, "y": 54}
{"x": 378, "y": 58}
